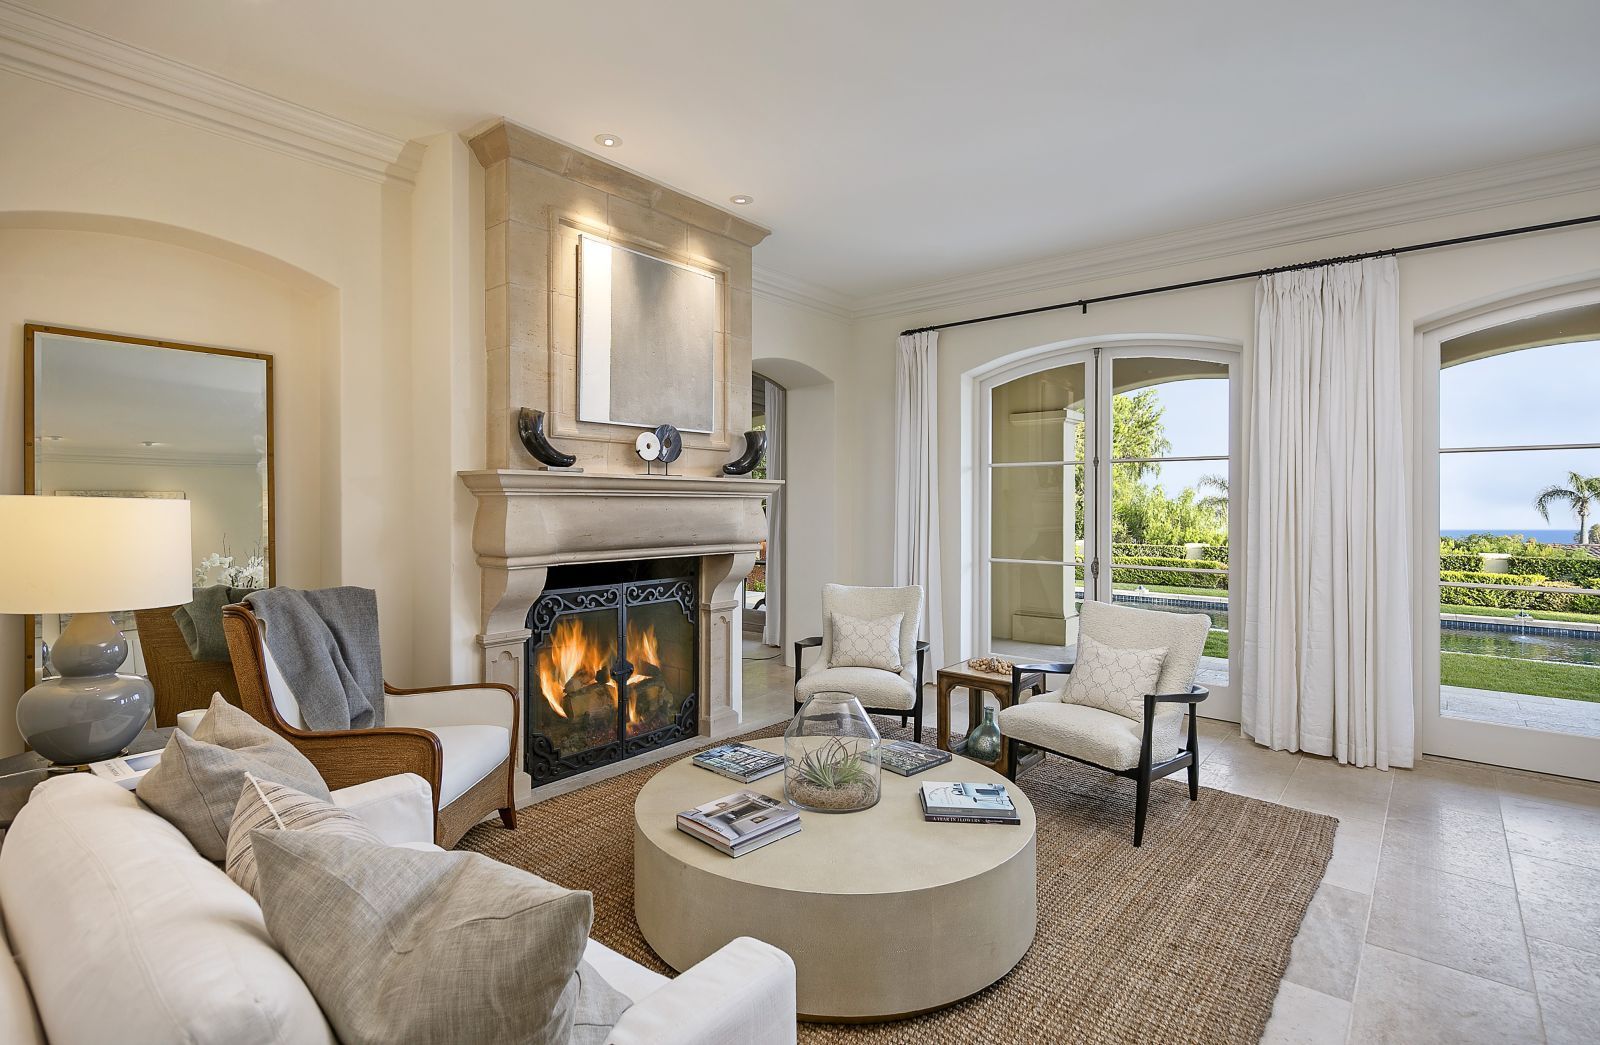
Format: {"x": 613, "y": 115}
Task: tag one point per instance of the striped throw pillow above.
{"x": 264, "y": 805}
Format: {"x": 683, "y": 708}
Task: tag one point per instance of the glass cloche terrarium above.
{"x": 831, "y": 756}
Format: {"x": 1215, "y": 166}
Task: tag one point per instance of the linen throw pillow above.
{"x": 407, "y": 946}
{"x": 866, "y": 642}
{"x": 1112, "y": 679}
{"x": 197, "y": 783}
{"x": 266, "y": 806}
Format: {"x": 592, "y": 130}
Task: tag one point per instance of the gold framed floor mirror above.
{"x": 114, "y": 415}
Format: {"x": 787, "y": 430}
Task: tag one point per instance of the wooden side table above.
{"x": 976, "y": 683}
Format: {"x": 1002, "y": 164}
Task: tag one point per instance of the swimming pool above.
{"x": 1512, "y": 639}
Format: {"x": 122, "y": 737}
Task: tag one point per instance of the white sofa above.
{"x": 116, "y": 929}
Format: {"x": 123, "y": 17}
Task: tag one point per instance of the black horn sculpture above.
{"x": 530, "y": 429}
{"x": 755, "y": 444}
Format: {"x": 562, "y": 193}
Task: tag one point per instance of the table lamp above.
{"x": 87, "y": 556}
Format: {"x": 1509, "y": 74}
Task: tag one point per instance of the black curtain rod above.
{"x": 1084, "y": 303}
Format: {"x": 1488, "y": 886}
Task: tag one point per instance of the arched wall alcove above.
{"x": 810, "y": 492}
{"x": 147, "y": 279}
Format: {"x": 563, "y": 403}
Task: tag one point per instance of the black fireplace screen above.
{"x": 610, "y": 673}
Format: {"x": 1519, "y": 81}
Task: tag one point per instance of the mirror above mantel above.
{"x": 110, "y": 415}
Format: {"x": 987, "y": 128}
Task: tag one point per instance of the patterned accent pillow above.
{"x": 1112, "y": 679}
{"x": 859, "y": 643}
{"x": 264, "y": 805}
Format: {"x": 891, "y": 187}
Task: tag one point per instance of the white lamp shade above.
{"x": 93, "y": 554}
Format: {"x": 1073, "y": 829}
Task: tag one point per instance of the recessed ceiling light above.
{"x": 51, "y": 438}
{"x": 610, "y": 141}
{"x": 742, "y": 199}
{"x": 151, "y": 442}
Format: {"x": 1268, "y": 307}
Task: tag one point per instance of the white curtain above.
{"x": 777, "y": 421}
{"x": 916, "y": 482}
{"x": 1327, "y": 617}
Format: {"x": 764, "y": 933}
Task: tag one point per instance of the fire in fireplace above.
{"x": 611, "y": 665}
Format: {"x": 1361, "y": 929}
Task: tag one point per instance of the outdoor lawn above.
{"x": 1533, "y": 677}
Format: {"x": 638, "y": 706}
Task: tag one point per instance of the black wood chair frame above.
{"x": 915, "y": 711}
{"x": 1147, "y": 769}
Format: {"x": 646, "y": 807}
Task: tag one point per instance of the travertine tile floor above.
{"x": 1462, "y": 904}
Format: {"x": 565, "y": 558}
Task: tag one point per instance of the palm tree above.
{"x": 1582, "y": 494}
{"x": 1214, "y": 502}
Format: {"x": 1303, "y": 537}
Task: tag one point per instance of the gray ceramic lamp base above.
{"x": 89, "y": 712}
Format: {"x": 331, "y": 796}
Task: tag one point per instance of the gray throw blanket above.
{"x": 200, "y": 622}
{"x": 326, "y": 644}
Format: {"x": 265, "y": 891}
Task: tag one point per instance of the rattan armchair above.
{"x": 181, "y": 682}
{"x": 353, "y": 756}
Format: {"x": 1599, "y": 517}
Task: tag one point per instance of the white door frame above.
{"x": 976, "y": 425}
{"x": 1563, "y": 754}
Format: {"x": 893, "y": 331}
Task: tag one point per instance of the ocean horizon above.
{"x": 1546, "y": 536}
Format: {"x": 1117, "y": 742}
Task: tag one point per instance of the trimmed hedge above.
{"x": 1122, "y": 574}
{"x": 1213, "y": 552}
{"x": 1553, "y": 601}
{"x": 1461, "y": 561}
{"x": 1569, "y": 568}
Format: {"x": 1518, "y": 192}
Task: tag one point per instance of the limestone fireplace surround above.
{"x": 528, "y": 521}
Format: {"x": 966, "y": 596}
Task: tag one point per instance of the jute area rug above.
{"x": 1181, "y": 940}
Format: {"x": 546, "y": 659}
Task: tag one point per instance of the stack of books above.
{"x": 908, "y": 759}
{"x": 957, "y": 803}
{"x": 741, "y": 822}
{"x": 740, "y": 762}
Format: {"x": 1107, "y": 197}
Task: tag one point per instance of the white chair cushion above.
{"x": 1182, "y": 635}
{"x": 470, "y": 754}
{"x": 1114, "y": 680}
{"x": 1102, "y": 737}
{"x": 874, "y": 688}
{"x": 863, "y": 642}
{"x": 130, "y": 935}
{"x": 874, "y": 602}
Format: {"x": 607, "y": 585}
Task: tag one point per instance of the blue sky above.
{"x": 1542, "y": 395}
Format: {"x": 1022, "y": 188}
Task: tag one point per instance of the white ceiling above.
{"x": 893, "y": 142}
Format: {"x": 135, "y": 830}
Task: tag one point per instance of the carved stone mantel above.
{"x": 528, "y": 521}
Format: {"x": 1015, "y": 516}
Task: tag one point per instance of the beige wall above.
{"x": 118, "y": 220}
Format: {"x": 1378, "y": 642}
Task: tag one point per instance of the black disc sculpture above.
{"x": 530, "y": 429}
{"x": 755, "y": 444}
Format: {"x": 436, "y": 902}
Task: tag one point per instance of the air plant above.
{"x": 833, "y": 766}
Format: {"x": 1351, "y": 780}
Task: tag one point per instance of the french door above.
{"x": 1104, "y": 473}
{"x": 1508, "y": 542}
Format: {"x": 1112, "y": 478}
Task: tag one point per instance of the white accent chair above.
{"x": 880, "y": 692}
{"x": 127, "y": 934}
{"x": 1143, "y": 749}
{"x": 462, "y": 740}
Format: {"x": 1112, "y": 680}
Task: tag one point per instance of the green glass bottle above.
{"x": 984, "y": 742}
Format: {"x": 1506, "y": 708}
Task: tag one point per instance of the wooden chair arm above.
{"x": 1046, "y": 668}
{"x": 802, "y": 644}
{"x": 1194, "y": 696}
{"x": 347, "y": 757}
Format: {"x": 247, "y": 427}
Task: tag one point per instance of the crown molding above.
{"x": 47, "y": 49}
{"x": 792, "y": 290}
{"x": 1520, "y": 181}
